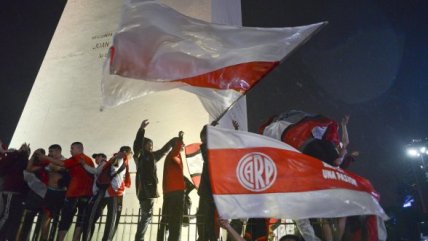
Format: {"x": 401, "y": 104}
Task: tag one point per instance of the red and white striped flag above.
{"x": 194, "y": 162}
{"x": 257, "y": 176}
{"x": 297, "y": 127}
{"x": 157, "y": 48}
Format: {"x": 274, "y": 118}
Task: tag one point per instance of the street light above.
{"x": 413, "y": 152}
{"x": 418, "y": 149}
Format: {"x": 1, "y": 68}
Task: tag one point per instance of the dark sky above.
{"x": 370, "y": 61}
{"x": 26, "y": 28}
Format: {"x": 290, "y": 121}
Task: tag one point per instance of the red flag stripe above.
{"x": 296, "y": 172}
{"x": 196, "y": 180}
{"x": 240, "y": 77}
{"x": 256, "y": 176}
{"x": 193, "y": 149}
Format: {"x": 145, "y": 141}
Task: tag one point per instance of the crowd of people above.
{"x": 57, "y": 188}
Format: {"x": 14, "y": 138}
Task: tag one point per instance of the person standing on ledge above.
{"x": 146, "y": 179}
{"x": 173, "y": 193}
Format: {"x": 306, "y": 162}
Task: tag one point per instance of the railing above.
{"x": 127, "y": 228}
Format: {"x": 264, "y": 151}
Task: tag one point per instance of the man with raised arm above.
{"x": 146, "y": 179}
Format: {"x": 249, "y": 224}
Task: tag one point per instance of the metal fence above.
{"x": 127, "y": 228}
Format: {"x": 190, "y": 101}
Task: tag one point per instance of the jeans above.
{"x": 146, "y": 206}
{"x": 114, "y": 210}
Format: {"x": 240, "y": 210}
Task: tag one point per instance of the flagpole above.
{"x": 267, "y": 72}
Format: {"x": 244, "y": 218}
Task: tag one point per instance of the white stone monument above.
{"x": 64, "y": 103}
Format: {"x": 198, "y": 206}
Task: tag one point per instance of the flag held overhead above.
{"x": 257, "y": 176}
{"x": 157, "y": 48}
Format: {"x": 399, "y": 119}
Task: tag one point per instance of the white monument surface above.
{"x": 64, "y": 103}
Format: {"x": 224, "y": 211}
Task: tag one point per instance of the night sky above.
{"x": 370, "y": 61}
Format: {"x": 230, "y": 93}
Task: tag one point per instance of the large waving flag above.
{"x": 157, "y": 48}
{"x": 257, "y": 176}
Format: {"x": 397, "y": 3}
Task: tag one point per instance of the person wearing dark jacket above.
{"x": 12, "y": 190}
{"x": 146, "y": 179}
{"x": 206, "y": 210}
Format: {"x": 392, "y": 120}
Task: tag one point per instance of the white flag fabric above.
{"x": 194, "y": 162}
{"x": 257, "y": 176}
{"x": 157, "y": 48}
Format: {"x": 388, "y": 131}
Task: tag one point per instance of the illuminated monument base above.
{"x": 64, "y": 103}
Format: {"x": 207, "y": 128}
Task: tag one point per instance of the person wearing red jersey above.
{"x": 173, "y": 193}
{"x": 78, "y": 192}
